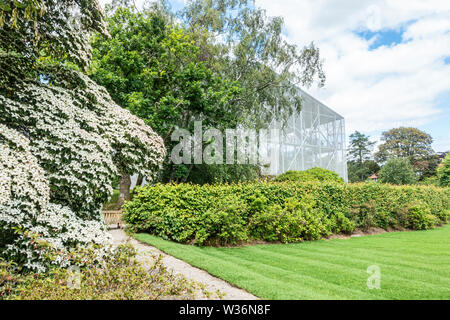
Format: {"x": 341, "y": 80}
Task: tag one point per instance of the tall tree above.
{"x": 398, "y": 171}
{"x": 242, "y": 43}
{"x": 360, "y": 151}
{"x": 409, "y": 143}
{"x": 170, "y": 75}
{"x": 404, "y": 142}
{"x": 361, "y": 172}
{"x": 360, "y": 147}
{"x": 152, "y": 67}
{"x": 426, "y": 167}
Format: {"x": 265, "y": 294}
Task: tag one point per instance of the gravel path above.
{"x": 180, "y": 267}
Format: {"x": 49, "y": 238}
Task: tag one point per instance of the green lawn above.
{"x": 414, "y": 265}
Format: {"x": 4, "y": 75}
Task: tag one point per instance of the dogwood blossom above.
{"x": 63, "y": 140}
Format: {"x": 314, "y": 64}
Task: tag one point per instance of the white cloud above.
{"x": 386, "y": 87}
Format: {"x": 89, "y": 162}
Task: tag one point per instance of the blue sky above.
{"x": 439, "y": 126}
{"x": 389, "y": 37}
{"x": 387, "y": 61}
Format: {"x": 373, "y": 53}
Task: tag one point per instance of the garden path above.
{"x": 180, "y": 267}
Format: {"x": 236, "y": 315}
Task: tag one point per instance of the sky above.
{"x": 387, "y": 62}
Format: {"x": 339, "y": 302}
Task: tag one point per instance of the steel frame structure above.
{"x": 314, "y": 137}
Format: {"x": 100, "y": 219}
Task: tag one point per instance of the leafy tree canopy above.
{"x": 358, "y": 172}
{"x": 444, "y": 172}
{"x": 313, "y": 174}
{"x": 151, "y": 67}
{"x": 32, "y": 31}
{"x": 223, "y": 62}
{"x": 404, "y": 143}
{"x": 360, "y": 147}
{"x": 398, "y": 171}
{"x": 240, "y": 42}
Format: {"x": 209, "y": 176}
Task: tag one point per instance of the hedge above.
{"x": 281, "y": 211}
{"x": 314, "y": 174}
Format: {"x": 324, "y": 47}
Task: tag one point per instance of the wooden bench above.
{"x": 113, "y": 217}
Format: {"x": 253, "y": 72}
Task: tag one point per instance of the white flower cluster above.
{"x": 82, "y": 139}
{"x": 62, "y": 142}
{"x": 61, "y": 147}
{"x": 22, "y": 180}
{"x": 24, "y": 205}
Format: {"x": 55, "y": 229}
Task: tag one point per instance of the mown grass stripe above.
{"x": 414, "y": 265}
{"x": 370, "y": 258}
{"x": 279, "y": 271}
{"x": 322, "y": 267}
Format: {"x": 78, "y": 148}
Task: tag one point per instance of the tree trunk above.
{"x": 191, "y": 166}
{"x": 172, "y": 173}
{"x": 124, "y": 193}
{"x": 139, "y": 181}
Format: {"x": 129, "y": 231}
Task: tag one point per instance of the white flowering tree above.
{"x": 62, "y": 139}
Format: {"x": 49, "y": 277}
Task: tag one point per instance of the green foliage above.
{"x": 152, "y": 67}
{"x": 339, "y": 223}
{"x": 398, "y": 171}
{"x": 219, "y": 62}
{"x": 118, "y": 277}
{"x": 360, "y": 172}
{"x": 273, "y": 211}
{"x": 36, "y": 30}
{"x": 404, "y": 142}
{"x": 239, "y": 41}
{"x": 364, "y": 215}
{"x": 417, "y": 216}
{"x": 444, "y": 172}
{"x": 431, "y": 181}
{"x": 214, "y": 173}
{"x": 314, "y": 174}
{"x": 360, "y": 147}
{"x": 223, "y": 224}
{"x": 294, "y": 222}
{"x": 426, "y": 167}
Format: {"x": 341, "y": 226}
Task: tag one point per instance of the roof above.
{"x": 306, "y": 96}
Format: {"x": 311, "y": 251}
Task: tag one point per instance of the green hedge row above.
{"x": 314, "y": 174}
{"x": 281, "y": 211}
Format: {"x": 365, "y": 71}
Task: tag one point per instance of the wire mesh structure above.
{"x": 314, "y": 137}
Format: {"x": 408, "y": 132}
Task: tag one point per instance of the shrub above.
{"x": 364, "y": 215}
{"x": 118, "y": 276}
{"x": 314, "y": 174}
{"x": 398, "y": 171}
{"x": 444, "y": 172}
{"x": 27, "y": 218}
{"x": 417, "y": 216}
{"x": 339, "y": 223}
{"x": 223, "y": 224}
{"x": 296, "y": 221}
{"x": 274, "y": 211}
{"x": 63, "y": 140}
